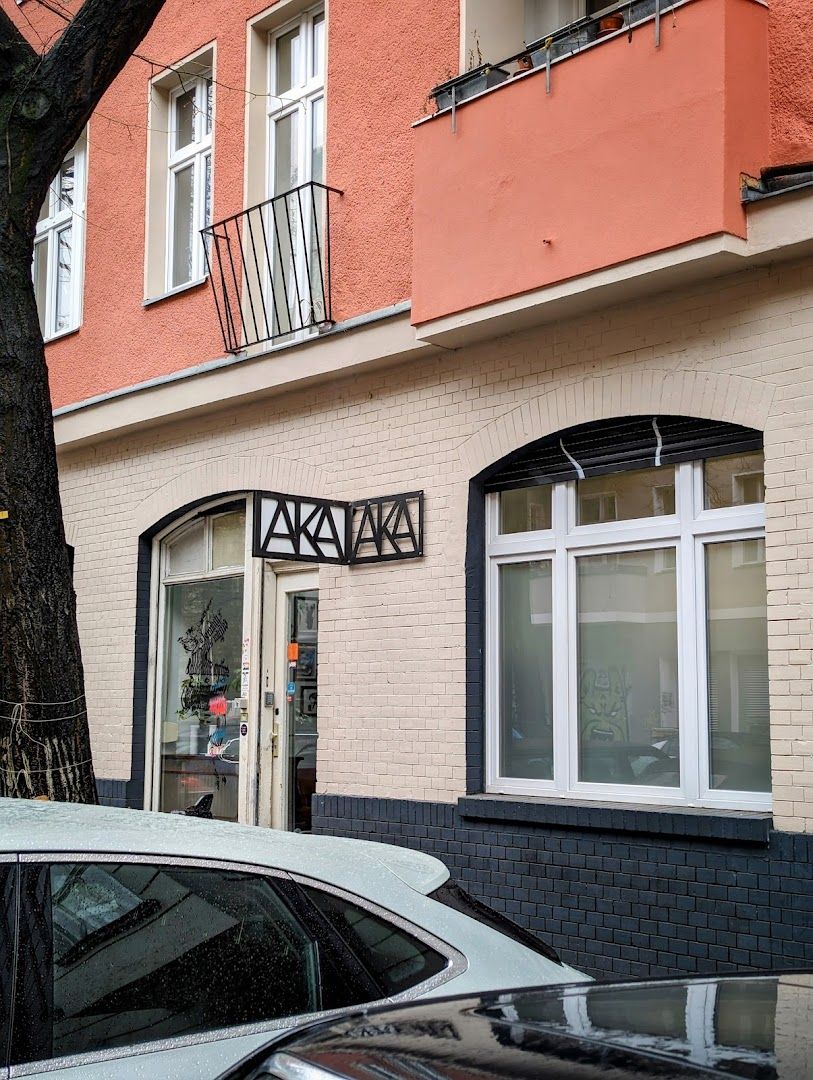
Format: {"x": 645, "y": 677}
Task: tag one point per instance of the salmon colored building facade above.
{"x": 433, "y": 397}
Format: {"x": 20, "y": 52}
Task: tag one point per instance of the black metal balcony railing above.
{"x": 269, "y": 267}
{"x": 559, "y": 45}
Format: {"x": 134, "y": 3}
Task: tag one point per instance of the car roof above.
{"x": 735, "y": 1026}
{"x": 34, "y": 827}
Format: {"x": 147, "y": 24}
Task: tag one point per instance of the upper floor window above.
{"x": 59, "y": 248}
{"x": 296, "y": 140}
{"x": 297, "y": 103}
{"x": 627, "y": 627}
{"x": 179, "y": 174}
{"x": 190, "y": 179}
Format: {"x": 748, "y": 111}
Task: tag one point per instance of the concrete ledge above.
{"x": 734, "y": 825}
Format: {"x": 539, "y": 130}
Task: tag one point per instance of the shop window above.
{"x": 199, "y": 697}
{"x": 59, "y": 246}
{"x": 180, "y": 174}
{"x": 627, "y": 636}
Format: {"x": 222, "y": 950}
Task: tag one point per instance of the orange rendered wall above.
{"x": 382, "y": 58}
{"x": 791, "y": 57}
{"x": 636, "y": 149}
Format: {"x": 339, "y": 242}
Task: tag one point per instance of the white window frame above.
{"x": 297, "y": 101}
{"x": 195, "y": 154}
{"x": 48, "y": 229}
{"x": 689, "y": 529}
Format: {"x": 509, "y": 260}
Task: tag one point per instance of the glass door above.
{"x": 288, "y": 723}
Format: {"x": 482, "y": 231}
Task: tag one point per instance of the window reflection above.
{"x": 734, "y": 480}
{"x": 738, "y": 697}
{"x": 642, "y": 493}
{"x": 628, "y": 690}
{"x": 526, "y": 665}
{"x": 200, "y": 733}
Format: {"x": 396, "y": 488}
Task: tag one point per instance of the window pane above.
{"x": 145, "y": 952}
{"x": 285, "y": 224}
{"x": 8, "y": 918}
{"x": 184, "y": 113}
{"x": 229, "y": 540}
{"x": 392, "y": 957}
{"x": 182, "y": 225}
{"x": 288, "y": 64}
{"x": 66, "y": 181}
{"x": 41, "y": 280}
{"x": 200, "y": 729}
{"x": 642, "y": 493}
{"x": 45, "y": 209}
{"x": 318, "y": 53}
{"x": 209, "y": 96}
{"x": 64, "y": 280}
{"x": 734, "y": 480}
{"x": 317, "y": 138}
{"x": 187, "y": 554}
{"x": 526, "y": 670}
{"x": 628, "y": 694}
{"x": 286, "y": 153}
{"x": 739, "y": 736}
{"x": 525, "y": 510}
{"x": 207, "y": 190}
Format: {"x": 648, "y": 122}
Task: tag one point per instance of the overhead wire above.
{"x": 159, "y": 67}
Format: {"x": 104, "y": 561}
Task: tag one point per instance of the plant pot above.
{"x": 610, "y": 23}
{"x": 524, "y": 63}
{"x": 468, "y": 86}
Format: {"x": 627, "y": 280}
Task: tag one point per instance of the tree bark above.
{"x": 45, "y": 102}
{"x": 44, "y": 742}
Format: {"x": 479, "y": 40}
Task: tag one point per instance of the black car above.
{"x": 754, "y": 1026}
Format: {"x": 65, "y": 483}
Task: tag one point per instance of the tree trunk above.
{"x": 44, "y": 742}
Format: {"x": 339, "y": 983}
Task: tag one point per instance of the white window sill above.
{"x": 186, "y": 287}
{"x": 62, "y": 334}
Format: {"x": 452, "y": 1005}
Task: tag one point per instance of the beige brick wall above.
{"x": 391, "y": 708}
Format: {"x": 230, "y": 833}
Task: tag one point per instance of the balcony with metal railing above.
{"x": 269, "y": 268}
{"x": 623, "y": 135}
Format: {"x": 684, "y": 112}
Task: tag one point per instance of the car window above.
{"x": 8, "y": 918}
{"x": 394, "y": 959}
{"x": 132, "y": 952}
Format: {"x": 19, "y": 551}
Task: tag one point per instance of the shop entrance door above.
{"x": 288, "y": 721}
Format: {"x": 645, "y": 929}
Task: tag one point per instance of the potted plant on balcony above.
{"x": 608, "y": 24}
{"x": 468, "y": 85}
{"x": 524, "y": 63}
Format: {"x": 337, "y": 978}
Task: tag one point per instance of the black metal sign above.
{"x": 387, "y": 528}
{"x": 295, "y": 527}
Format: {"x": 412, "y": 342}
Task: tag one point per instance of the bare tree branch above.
{"x": 15, "y": 52}
{"x": 85, "y": 60}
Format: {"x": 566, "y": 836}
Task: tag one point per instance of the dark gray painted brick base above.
{"x": 612, "y": 902}
{"x": 112, "y": 792}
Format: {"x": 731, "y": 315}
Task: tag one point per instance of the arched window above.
{"x": 199, "y": 660}
{"x": 626, "y": 631}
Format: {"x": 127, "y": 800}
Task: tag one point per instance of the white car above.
{"x": 136, "y": 944}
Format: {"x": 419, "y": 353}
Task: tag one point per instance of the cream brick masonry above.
{"x": 392, "y": 646}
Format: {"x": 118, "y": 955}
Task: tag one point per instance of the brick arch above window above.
{"x": 708, "y": 395}
{"x": 229, "y": 474}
